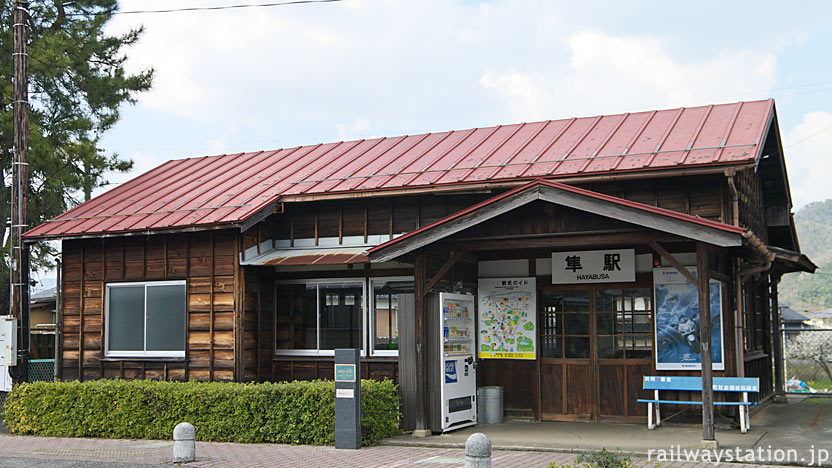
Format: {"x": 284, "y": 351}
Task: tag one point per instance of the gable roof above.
{"x": 231, "y": 188}
{"x": 787, "y": 314}
{"x": 652, "y": 217}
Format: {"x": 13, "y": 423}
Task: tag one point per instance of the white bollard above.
{"x": 184, "y": 445}
{"x": 478, "y": 451}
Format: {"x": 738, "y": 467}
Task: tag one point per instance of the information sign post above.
{"x": 347, "y": 399}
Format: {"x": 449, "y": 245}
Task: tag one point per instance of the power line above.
{"x": 808, "y": 137}
{"x": 214, "y": 8}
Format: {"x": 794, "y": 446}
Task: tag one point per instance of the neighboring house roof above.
{"x": 821, "y": 314}
{"x": 230, "y": 189}
{"x": 787, "y": 314}
{"x": 44, "y": 296}
{"x": 712, "y": 232}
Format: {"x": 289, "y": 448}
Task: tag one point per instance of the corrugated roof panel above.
{"x": 229, "y": 188}
{"x": 444, "y": 156}
{"x": 713, "y": 130}
{"x": 633, "y": 161}
{"x": 507, "y": 152}
{"x": 225, "y": 185}
{"x": 376, "y": 173}
{"x": 169, "y": 185}
{"x": 653, "y": 134}
{"x": 547, "y": 137}
{"x": 566, "y": 142}
{"x": 751, "y": 124}
{"x": 399, "y": 171}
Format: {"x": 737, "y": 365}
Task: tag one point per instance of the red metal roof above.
{"x": 577, "y": 190}
{"x": 231, "y": 188}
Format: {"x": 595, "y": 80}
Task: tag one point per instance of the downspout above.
{"x": 735, "y": 197}
{"x": 739, "y": 339}
{"x": 742, "y": 277}
{"x": 761, "y": 249}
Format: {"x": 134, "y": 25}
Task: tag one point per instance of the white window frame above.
{"x": 133, "y": 354}
{"x": 371, "y": 311}
{"x": 318, "y": 351}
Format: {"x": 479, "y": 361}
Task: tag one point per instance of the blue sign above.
{"x": 450, "y": 372}
{"x": 721, "y": 384}
{"x": 345, "y": 372}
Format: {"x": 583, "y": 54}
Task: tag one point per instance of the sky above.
{"x": 265, "y": 78}
{"x": 253, "y": 79}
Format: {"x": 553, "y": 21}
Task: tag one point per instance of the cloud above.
{"x": 353, "y": 131}
{"x": 304, "y": 74}
{"x": 808, "y": 161}
{"x": 607, "y": 73}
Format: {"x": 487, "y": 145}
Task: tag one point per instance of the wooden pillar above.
{"x": 777, "y": 339}
{"x": 421, "y": 347}
{"x": 705, "y": 342}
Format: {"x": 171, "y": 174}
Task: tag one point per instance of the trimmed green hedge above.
{"x": 290, "y": 413}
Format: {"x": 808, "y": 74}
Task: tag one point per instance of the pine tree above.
{"x": 77, "y": 83}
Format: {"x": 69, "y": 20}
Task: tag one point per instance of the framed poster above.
{"x": 677, "y": 322}
{"x": 507, "y": 322}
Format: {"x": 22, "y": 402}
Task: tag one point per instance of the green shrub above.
{"x": 291, "y": 413}
{"x": 600, "y": 459}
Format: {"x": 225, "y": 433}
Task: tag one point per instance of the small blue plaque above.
{"x": 345, "y": 372}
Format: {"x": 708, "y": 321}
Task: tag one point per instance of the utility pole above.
{"x": 20, "y": 188}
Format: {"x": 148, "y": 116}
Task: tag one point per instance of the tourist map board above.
{"x": 507, "y": 318}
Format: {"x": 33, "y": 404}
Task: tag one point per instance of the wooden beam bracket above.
{"x": 455, "y": 256}
{"x": 672, "y": 260}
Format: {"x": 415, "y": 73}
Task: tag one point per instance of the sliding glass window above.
{"x": 392, "y": 298}
{"x": 318, "y": 316}
{"x": 145, "y": 319}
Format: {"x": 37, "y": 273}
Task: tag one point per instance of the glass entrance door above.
{"x": 566, "y": 369}
{"x": 596, "y": 344}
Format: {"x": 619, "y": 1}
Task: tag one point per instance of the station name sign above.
{"x": 594, "y": 266}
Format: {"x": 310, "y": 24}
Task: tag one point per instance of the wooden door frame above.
{"x": 644, "y": 280}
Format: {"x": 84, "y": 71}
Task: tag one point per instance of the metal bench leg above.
{"x": 743, "y": 428}
{"x": 658, "y": 411}
{"x": 747, "y": 411}
{"x": 650, "y": 424}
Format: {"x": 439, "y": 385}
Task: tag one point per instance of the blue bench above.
{"x": 743, "y": 385}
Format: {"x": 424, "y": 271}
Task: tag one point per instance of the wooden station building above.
{"x": 256, "y": 266}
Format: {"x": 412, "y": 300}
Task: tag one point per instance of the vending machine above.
{"x": 452, "y": 374}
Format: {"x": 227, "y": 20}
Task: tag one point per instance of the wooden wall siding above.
{"x": 752, "y": 211}
{"x": 517, "y": 378}
{"x": 699, "y": 196}
{"x": 258, "y": 324}
{"x": 287, "y": 370}
{"x": 206, "y": 260}
{"x": 760, "y": 366}
{"x": 342, "y": 218}
{"x": 540, "y": 217}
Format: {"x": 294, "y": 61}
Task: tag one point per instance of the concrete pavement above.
{"x": 51, "y": 452}
{"x": 804, "y": 426}
{"x": 800, "y": 431}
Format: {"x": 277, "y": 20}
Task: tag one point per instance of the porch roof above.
{"x": 660, "y": 219}
{"x": 792, "y": 261}
{"x": 312, "y": 256}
